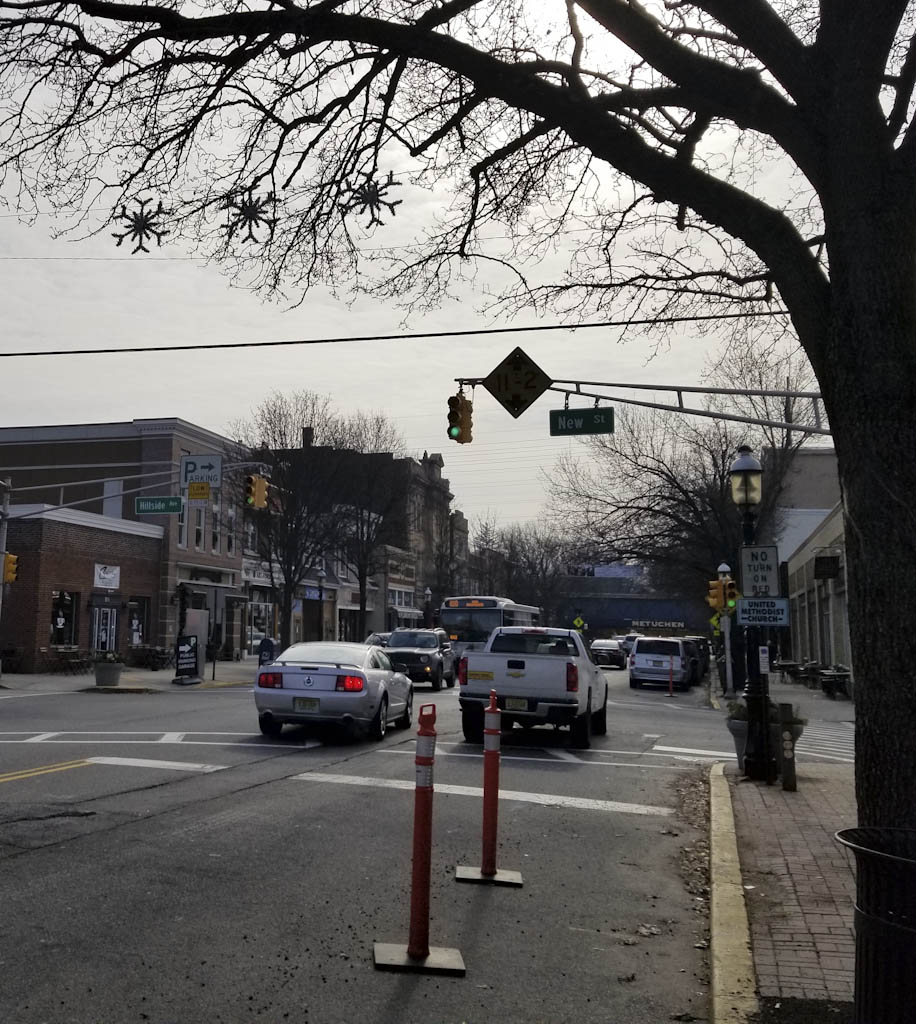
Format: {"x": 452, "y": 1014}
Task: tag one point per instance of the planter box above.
{"x": 738, "y": 728}
{"x": 108, "y": 673}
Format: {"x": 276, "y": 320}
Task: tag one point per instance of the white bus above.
{"x": 469, "y": 621}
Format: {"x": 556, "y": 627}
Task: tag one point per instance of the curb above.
{"x": 119, "y": 689}
{"x": 734, "y": 983}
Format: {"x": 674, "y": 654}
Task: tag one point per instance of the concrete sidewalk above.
{"x": 797, "y": 886}
{"x": 228, "y": 673}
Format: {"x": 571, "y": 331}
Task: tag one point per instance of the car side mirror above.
{"x": 399, "y": 666}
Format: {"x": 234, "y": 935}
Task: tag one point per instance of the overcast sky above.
{"x": 70, "y": 294}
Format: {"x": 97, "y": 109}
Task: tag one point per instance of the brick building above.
{"x": 85, "y": 581}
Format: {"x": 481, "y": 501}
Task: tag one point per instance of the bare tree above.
{"x": 542, "y": 553}
{"x": 287, "y": 434}
{"x": 374, "y": 492}
{"x": 650, "y": 130}
{"x": 657, "y": 490}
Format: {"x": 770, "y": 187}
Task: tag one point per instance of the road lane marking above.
{"x": 171, "y": 737}
{"x": 545, "y": 799}
{"x": 507, "y": 758}
{"x": 22, "y": 696}
{"x": 714, "y": 755}
{"x": 47, "y": 769}
{"x": 41, "y": 737}
{"x": 564, "y": 755}
{"x": 139, "y": 762}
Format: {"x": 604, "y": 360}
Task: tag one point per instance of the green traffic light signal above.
{"x": 454, "y": 418}
{"x": 731, "y": 595}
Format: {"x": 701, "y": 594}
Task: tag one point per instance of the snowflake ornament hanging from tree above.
{"x": 141, "y": 225}
{"x": 247, "y": 213}
{"x": 369, "y": 197}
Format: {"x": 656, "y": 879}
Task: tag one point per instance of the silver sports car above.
{"x": 350, "y": 684}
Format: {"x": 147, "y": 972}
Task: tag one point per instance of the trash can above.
{"x": 885, "y": 921}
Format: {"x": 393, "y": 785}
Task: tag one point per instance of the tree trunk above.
{"x": 363, "y": 579}
{"x": 867, "y": 392}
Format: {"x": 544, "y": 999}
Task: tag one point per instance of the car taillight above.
{"x": 572, "y": 677}
{"x": 632, "y": 660}
{"x": 463, "y": 672}
{"x": 271, "y": 679}
{"x": 349, "y": 683}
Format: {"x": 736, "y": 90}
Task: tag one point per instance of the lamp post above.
{"x": 745, "y": 477}
{"x": 427, "y": 613}
{"x": 725, "y": 624}
{"x": 320, "y": 575}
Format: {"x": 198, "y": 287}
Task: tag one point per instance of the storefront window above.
{"x": 138, "y": 621}
{"x": 64, "y": 607}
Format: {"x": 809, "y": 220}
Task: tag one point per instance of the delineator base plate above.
{"x": 468, "y": 874}
{"x": 390, "y": 956}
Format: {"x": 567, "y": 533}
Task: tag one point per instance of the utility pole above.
{"x": 6, "y": 487}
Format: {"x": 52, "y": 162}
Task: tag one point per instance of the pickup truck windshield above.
{"x": 532, "y": 643}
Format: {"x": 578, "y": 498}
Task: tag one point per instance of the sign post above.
{"x": 186, "y": 665}
{"x": 763, "y": 611}
{"x": 760, "y": 571}
{"x": 199, "y": 475}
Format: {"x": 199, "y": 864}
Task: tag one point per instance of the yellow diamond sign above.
{"x": 517, "y": 383}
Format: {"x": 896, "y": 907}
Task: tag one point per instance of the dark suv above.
{"x": 427, "y": 654}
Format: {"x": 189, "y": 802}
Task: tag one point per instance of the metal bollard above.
{"x": 487, "y": 871}
{"x": 417, "y": 955}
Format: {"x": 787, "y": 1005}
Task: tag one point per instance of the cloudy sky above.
{"x": 64, "y": 294}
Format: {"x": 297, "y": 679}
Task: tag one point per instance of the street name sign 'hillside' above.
{"x": 566, "y": 422}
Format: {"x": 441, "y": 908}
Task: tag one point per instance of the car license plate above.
{"x": 516, "y": 704}
{"x": 480, "y": 675}
{"x": 657, "y": 664}
{"x": 305, "y": 703}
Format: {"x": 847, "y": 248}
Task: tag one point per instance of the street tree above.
{"x": 657, "y": 490}
{"x": 372, "y": 497}
{"x": 290, "y": 435}
{"x": 717, "y": 157}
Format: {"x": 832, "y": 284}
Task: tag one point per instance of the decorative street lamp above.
{"x": 745, "y": 476}
{"x": 725, "y": 625}
{"x": 320, "y": 575}
{"x": 427, "y": 612}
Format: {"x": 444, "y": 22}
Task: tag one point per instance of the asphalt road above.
{"x": 161, "y": 861}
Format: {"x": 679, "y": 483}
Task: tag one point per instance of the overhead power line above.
{"x": 409, "y": 336}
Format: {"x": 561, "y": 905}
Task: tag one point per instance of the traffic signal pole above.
{"x": 5, "y": 486}
{"x": 725, "y": 623}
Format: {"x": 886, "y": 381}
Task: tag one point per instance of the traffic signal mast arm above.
{"x": 573, "y": 388}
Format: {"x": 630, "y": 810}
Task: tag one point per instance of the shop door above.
{"x": 104, "y": 629}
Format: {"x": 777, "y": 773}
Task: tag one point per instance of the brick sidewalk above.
{"x": 799, "y": 882}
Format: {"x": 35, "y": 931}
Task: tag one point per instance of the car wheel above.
{"x": 635, "y": 684}
{"x": 437, "y": 680}
{"x": 580, "y": 732}
{"x": 379, "y": 725}
{"x": 450, "y": 680}
{"x": 472, "y": 725}
{"x": 599, "y": 719}
{"x": 405, "y": 719}
{"x": 269, "y": 726}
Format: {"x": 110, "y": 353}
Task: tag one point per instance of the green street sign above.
{"x": 564, "y": 422}
{"x": 164, "y": 506}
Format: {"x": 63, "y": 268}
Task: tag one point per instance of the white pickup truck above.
{"x": 542, "y": 676}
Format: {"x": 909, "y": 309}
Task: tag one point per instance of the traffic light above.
{"x": 454, "y": 418}
{"x": 251, "y": 489}
{"x": 262, "y": 486}
{"x": 715, "y": 598}
{"x": 10, "y": 568}
{"x": 467, "y": 421}
{"x": 731, "y": 595}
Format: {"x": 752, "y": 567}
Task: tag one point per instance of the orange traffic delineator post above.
{"x": 487, "y": 871}
{"x": 418, "y": 955}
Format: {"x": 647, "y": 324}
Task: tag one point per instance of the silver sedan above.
{"x": 349, "y": 684}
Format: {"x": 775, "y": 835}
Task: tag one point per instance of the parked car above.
{"x": 656, "y": 659}
{"x": 705, "y": 649}
{"x": 626, "y": 642}
{"x": 694, "y": 660}
{"x": 609, "y": 652}
{"x": 426, "y": 653}
{"x": 378, "y": 639}
{"x": 349, "y": 684}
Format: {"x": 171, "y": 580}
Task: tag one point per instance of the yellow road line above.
{"x": 28, "y": 773}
